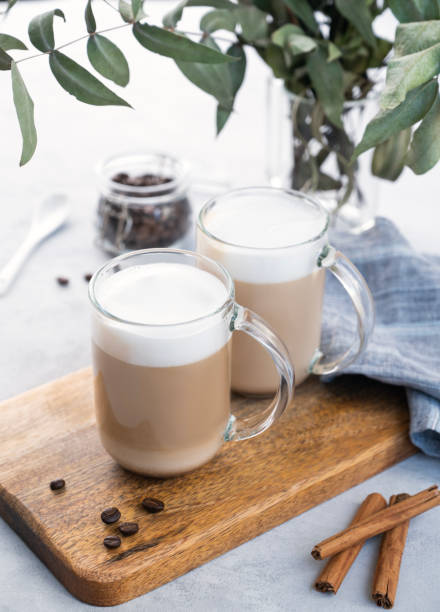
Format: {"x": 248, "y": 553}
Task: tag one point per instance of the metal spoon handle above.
{"x": 11, "y": 269}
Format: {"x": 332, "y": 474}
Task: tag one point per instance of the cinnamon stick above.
{"x": 378, "y": 523}
{"x": 336, "y": 569}
{"x": 386, "y": 576}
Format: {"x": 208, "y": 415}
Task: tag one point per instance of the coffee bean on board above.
{"x": 57, "y": 484}
{"x": 88, "y": 277}
{"x": 153, "y": 505}
{"x": 112, "y": 541}
{"x": 62, "y": 281}
{"x": 128, "y": 529}
{"x": 110, "y": 515}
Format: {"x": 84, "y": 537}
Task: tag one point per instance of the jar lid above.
{"x": 138, "y": 165}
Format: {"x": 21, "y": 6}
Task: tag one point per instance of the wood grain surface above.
{"x": 335, "y": 436}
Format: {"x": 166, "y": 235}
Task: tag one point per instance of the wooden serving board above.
{"x": 335, "y": 436}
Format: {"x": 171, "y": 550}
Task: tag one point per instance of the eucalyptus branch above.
{"x": 111, "y": 5}
{"x": 124, "y": 25}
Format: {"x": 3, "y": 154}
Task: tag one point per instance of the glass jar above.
{"x": 308, "y": 153}
{"x": 143, "y": 202}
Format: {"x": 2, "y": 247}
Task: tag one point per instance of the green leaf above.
{"x": 176, "y": 46}
{"x": 172, "y": 18}
{"x": 214, "y": 79}
{"x": 78, "y": 81}
{"x": 415, "y": 10}
{"x": 333, "y": 52}
{"x": 126, "y": 11}
{"x": 222, "y": 117}
{"x": 5, "y": 60}
{"x": 389, "y": 122}
{"x": 8, "y": 42}
{"x": 90, "y": 18}
{"x": 24, "y": 107}
{"x": 219, "y": 19}
{"x": 358, "y": 14}
{"x": 136, "y": 8}
{"x": 389, "y": 156}
{"x": 253, "y": 23}
{"x": 107, "y": 59}
{"x": 41, "y": 30}
{"x": 327, "y": 81}
{"x": 274, "y": 57}
{"x": 424, "y": 152}
{"x": 408, "y": 72}
{"x": 9, "y": 6}
{"x": 303, "y": 10}
{"x": 414, "y": 37}
{"x": 237, "y": 71}
{"x": 383, "y": 47}
{"x": 293, "y": 39}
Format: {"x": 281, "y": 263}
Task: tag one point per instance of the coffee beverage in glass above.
{"x": 274, "y": 243}
{"x": 162, "y": 322}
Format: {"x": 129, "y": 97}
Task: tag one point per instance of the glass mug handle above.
{"x": 240, "y": 428}
{"x": 356, "y": 287}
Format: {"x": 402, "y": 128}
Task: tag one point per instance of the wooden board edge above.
{"x": 102, "y": 593}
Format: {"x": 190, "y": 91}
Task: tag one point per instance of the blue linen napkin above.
{"x": 405, "y": 346}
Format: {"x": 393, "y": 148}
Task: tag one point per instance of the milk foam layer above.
{"x": 276, "y": 229}
{"x": 155, "y": 298}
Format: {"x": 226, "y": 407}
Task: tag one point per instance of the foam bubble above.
{"x": 276, "y": 229}
{"x": 157, "y": 296}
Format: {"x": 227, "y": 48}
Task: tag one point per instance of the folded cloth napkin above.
{"x": 405, "y": 346}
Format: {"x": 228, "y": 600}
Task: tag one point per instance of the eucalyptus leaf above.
{"x": 136, "y": 8}
{"x": 414, "y": 37}
{"x": 222, "y": 117}
{"x": 327, "y": 81}
{"x": 333, "y": 52}
{"x": 303, "y": 10}
{"x": 10, "y": 4}
{"x": 389, "y": 156}
{"x": 107, "y": 59}
{"x": 292, "y": 38}
{"x": 219, "y": 19}
{"x": 381, "y": 50}
{"x": 274, "y": 57}
{"x": 172, "y": 18}
{"x": 253, "y": 23}
{"x": 424, "y": 152}
{"x": 389, "y": 122}
{"x": 24, "y": 107}
{"x": 358, "y": 14}
{"x": 8, "y": 42}
{"x": 126, "y": 11}
{"x": 214, "y": 79}
{"x": 90, "y": 18}
{"x": 5, "y": 60}
{"x": 415, "y": 10}
{"x": 41, "y": 30}
{"x": 176, "y": 46}
{"x": 408, "y": 72}
{"x": 78, "y": 81}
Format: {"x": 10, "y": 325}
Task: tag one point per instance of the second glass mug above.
{"x": 162, "y": 390}
{"x": 274, "y": 242}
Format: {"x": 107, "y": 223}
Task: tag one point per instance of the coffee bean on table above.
{"x": 88, "y": 277}
{"x": 110, "y": 515}
{"x": 128, "y": 529}
{"x": 55, "y": 485}
{"x": 153, "y": 505}
{"x": 112, "y": 541}
{"x": 62, "y": 281}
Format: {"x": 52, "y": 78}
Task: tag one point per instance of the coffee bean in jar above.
{"x": 143, "y": 203}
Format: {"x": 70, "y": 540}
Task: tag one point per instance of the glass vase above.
{"x": 308, "y": 153}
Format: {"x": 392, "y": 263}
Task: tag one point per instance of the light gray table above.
{"x": 44, "y": 328}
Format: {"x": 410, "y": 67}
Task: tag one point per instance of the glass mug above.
{"x": 274, "y": 243}
{"x": 162, "y": 322}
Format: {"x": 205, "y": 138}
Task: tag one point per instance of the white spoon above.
{"x": 48, "y": 216}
